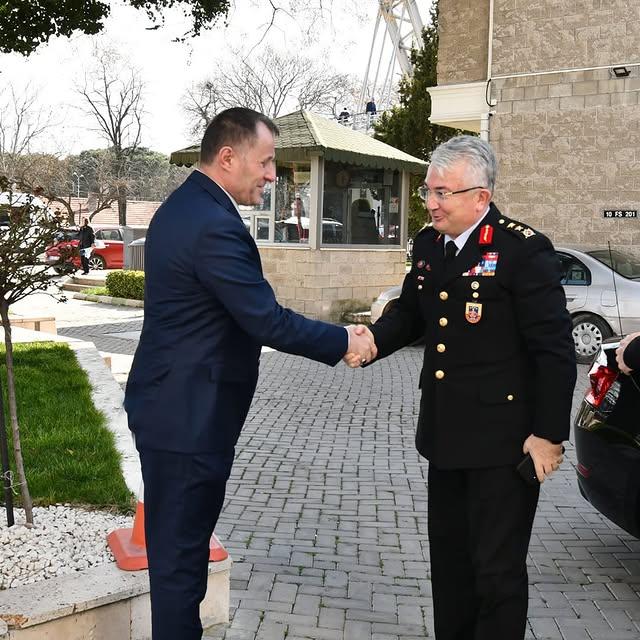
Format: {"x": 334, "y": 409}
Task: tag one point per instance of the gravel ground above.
{"x": 63, "y": 540}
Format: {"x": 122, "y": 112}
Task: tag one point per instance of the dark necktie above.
{"x": 450, "y": 251}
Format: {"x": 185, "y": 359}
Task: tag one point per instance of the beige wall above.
{"x": 463, "y": 35}
{"x": 568, "y": 148}
{"x": 324, "y": 283}
{"x": 541, "y": 35}
{"x": 568, "y": 143}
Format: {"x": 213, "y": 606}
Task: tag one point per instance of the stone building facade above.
{"x": 554, "y": 86}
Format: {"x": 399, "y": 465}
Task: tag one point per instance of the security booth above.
{"x": 332, "y": 228}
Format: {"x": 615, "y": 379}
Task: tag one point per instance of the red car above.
{"x": 108, "y": 252}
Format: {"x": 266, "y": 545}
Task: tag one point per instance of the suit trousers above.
{"x": 479, "y": 523}
{"x": 183, "y": 497}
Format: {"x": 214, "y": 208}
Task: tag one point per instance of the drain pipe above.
{"x": 484, "y": 118}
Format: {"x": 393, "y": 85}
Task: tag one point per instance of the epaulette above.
{"x": 516, "y": 228}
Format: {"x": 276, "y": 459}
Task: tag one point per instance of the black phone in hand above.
{"x": 527, "y": 470}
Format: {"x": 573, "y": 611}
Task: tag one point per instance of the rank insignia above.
{"x": 486, "y": 234}
{"x": 473, "y": 312}
{"x": 527, "y": 233}
{"x": 421, "y": 278}
{"x": 486, "y": 266}
{"x": 420, "y": 264}
{"x": 428, "y": 267}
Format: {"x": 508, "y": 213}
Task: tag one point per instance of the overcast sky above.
{"x": 168, "y": 68}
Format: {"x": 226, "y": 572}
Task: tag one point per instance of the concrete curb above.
{"x": 125, "y": 302}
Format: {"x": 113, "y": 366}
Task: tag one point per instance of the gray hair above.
{"x": 476, "y": 152}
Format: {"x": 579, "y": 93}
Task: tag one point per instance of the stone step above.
{"x": 74, "y": 286}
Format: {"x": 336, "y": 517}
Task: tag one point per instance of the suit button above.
{"x": 441, "y": 348}
{"x": 509, "y": 397}
{"x": 475, "y": 294}
{"x": 444, "y": 295}
{"x": 443, "y": 322}
{"x": 439, "y": 374}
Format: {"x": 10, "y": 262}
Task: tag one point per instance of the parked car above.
{"x": 607, "y": 439}
{"x": 602, "y": 301}
{"x": 107, "y": 254}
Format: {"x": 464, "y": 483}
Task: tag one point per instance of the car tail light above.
{"x": 585, "y": 472}
{"x": 604, "y": 386}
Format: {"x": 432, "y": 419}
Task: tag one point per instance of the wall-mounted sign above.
{"x": 620, "y": 213}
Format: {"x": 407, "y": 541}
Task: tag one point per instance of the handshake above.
{"x": 362, "y": 346}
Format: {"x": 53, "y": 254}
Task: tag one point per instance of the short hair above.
{"x": 478, "y": 154}
{"x": 232, "y": 127}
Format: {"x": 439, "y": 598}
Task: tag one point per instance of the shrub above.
{"x": 126, "y": 284}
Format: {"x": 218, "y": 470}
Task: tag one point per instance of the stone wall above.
{"x": 463, "y": 27}
{"x": 569, "y": 147}
{"x": 323, "y": 284}
{"x": 543, "y": 35}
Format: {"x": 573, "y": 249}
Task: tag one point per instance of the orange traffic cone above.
{"x": 129, "y": 548}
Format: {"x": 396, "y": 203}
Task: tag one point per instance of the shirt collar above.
{"x": 233, "y": 201}
{"x": 461, "y": 240}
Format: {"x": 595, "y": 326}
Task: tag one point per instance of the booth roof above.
{"x": 304, "y": 134}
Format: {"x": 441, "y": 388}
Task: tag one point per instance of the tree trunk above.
{"x": 13, "y": 415}
{"x": 6, "y": 468}
{"x": 122, "y": 209}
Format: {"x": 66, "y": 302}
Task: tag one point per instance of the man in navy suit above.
{"x": 208, "y": 311}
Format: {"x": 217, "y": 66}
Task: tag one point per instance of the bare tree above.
{"x": 22, "y": 122}
{"x": 113, "y": 95}
{"x": 29, "y": 229}
{"x": 269, "y": 83}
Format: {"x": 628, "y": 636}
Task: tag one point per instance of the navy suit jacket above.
{"x": 208, "y": 311}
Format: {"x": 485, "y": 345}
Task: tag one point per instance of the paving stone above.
{"x": 325, "y": 515}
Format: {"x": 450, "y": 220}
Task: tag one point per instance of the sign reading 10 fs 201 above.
{"x": 620, "y": 213}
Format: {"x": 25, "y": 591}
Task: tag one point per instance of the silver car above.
{"x": 602, "y": 302}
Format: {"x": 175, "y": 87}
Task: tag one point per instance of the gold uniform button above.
{"x": 509, "y": 397}
{"x": 475, "y": 285}
{"x": 443, "y": 322}
{"x": 475, "y": 294}
{"x": 444, "y": 295}
{"x": 419, "y": 287}
{"x": 441, "y": 348}
{"x": 439, "y": 374}
{"x": 501, "y": 221}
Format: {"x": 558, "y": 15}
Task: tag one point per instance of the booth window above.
{"x": 293, "y": 197}
{"x": 361, "y": 205}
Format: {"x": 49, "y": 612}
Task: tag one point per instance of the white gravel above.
{"x": 63, "y": 540}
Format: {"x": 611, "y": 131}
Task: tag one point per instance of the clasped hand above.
{"x": 362, "y": 346}
{"x": 547, "y": 457}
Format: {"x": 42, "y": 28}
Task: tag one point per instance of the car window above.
{"x": 624, "y": 263}
{"x": 573, "y": 271}
{"x": 108, "y": 234}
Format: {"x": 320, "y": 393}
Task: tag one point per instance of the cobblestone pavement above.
{"x": 325, "y": 516}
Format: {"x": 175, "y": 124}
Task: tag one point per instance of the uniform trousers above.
{"x": 183, "y": 497}
{"x": 479, "y": 523}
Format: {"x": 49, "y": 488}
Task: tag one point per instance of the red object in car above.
{"x": 108, "y": 254}
{"x": 601, "y": 378}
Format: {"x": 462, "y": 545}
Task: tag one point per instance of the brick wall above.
{"x": 323, "y": 284}
{"x": 463, "y": 34}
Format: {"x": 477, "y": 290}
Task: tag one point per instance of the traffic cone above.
{"x": 129, "y": 548}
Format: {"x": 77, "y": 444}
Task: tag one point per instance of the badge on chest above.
{"x": 486, "y": 266}
{"x": 473, "y": 312}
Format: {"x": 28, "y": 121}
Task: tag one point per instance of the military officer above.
{"x": 499, "y": 370}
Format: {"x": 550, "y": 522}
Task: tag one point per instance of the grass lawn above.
{"x": 96, "y": 291}
{"x": 69, "y": 454}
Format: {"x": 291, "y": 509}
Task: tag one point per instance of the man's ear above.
{"x": 225, "y": 158}
{"x": 484, "y": 198}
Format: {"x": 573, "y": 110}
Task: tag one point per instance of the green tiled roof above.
{"x": 304, "y": 134}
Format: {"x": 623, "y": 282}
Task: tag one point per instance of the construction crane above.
{"x": 402, "y": 32}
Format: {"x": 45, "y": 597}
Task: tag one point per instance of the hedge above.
{"x": 126, "y": 284}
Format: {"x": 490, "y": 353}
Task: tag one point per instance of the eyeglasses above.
{"x": 439, "y": 194}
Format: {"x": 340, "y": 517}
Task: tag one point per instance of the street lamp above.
{"x": 78, "y": 176}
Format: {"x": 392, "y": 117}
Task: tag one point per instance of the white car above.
{"x": 603, "y": 302}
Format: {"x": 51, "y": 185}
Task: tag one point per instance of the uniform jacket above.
{"x": 499, "y": 360}
{"x": 208, "y": 311}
